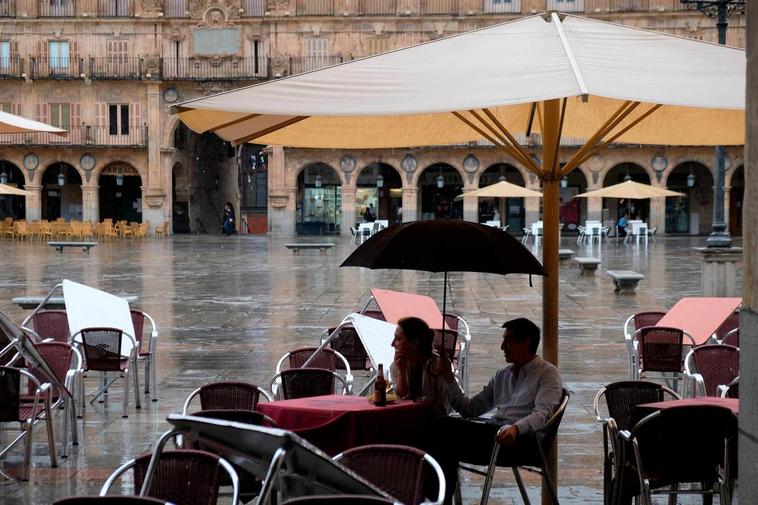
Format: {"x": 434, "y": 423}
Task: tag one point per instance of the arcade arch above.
{"x": 616, "y": 207}
{"x": 120, "y": 193}
{"x": 438, "y": 185}
{"x": 319, "y": 200}
{"x": 509, "y": 211}
{"x": 11, "y": 205}
{"x": 693, "y": 213}
{"x": 379, "y": 186}
{"x": 61, "y": 200}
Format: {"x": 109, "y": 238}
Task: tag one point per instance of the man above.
{"x": 521, "y": 398}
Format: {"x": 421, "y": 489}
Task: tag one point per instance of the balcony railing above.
{"x": 11, "y": 68}
{"x": 502, "y": 7}
{"x": 55, "y": 8}
{"x": 377, "y": 7}
{"x": 175, "y": 8}
{"x": 217, "y": 69}
{"x": 115, "y": 8}
{"x": 56, "y": 68}
{"x": 315, "y": 7}
{"x": 254, "y": 8}
{"x": 7, "y": 8}
{"x": 82, "y": 135}
{"x": 115, "y": 68}
{"x": 566, "y": 5}
{"x": 439, "y": 6}
{"x": 306, "y": 63}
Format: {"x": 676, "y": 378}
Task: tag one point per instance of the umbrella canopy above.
{"x": 631, "y": 190}
{"x": 10, "y": 190}
{"x": 445, "y": 245}
{"x": 10, "y": 123}
{"x": 502, "y": 189}
{"x": 599, "y": 65}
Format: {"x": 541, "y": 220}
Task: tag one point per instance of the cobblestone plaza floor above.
{"x": 229, "y": 307}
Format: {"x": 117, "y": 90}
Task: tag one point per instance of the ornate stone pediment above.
{"x": 214, "y": 13}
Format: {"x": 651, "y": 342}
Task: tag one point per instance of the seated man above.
{"x": 521, "y": 396}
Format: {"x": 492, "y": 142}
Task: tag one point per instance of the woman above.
{"x": 228, "y": 227}
{"x": 415, "y": 370}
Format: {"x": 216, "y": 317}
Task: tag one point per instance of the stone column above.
{"x": 154, "y": 197}
{"x": 657, "y": 217}
{"x": 748, "y": 438}
{"x": 410, "y": 205}
{"x": 91, "y": 204}
{"x": 348, "y": 210}
{"x": 33, "y": 202}
{"x": 532, "y": 210}
{"x": 594, "y": 208}
{"x": 726, "y": 207}
{"x": 720, "y": 270}
{"x": 470, "y": 206}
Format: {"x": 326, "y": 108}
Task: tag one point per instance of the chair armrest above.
{"x": 625, "y": 434}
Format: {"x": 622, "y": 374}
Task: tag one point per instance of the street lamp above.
{"x": 691, "y": 180}
{"x": 440, "y": 181}
{"x": 721, "y": 10}
{"x": 565, "y": 182}
{"x": 120, "y": 180}
{"x": 3, "y": 176}
{"x": 61, "y": 177}
{"x": 380, "y": 181}
{"x": 318, "y": 181}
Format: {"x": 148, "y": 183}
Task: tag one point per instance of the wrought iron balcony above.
{"x": 175, "y": 8}
{"x": 566, "y": 5}
{"x": 56, "y": 68}
{"x": 222, "y": 69}
{"x": 115, "y": 68}
{"x": 11, "y": 67}
{"x": 83, "y": 135}
{"x": 55, "y": 8}
{"x": 502, "y": 7}
{"x": 115, "y": 8}
{"x": 439, "y": 7}
{"x": 301, "y": 64}
{"x": 253, "y": 8}
{"x": 315, "y": 8}
{"x": 377, "y": 7}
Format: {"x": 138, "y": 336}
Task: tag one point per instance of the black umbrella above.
{"x": 445, "y": 245}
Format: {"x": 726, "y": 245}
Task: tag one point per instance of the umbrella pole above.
{"x": 444, "y": 308}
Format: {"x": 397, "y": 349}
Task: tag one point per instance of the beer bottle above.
{"x": 380, "y": 388}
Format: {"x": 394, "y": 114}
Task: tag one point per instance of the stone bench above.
{"x": 321, "y": 247}
{"x": 60, "y": 245}
{"x": 625, "y": 280}
{"x": 587, "y": 264}
{"x": 565, "y": 254}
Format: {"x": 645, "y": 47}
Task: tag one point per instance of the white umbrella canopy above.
{"x": 407, "y": 97}
{"x": 556, "y": 76}
{"x": 10, "y": 190}
{"x": 502, "y": 189}
{"x": 631, "y": 190}
{"x": 11, "y": 123}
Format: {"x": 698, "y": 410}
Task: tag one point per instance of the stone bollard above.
{"x": 719, "y": 276}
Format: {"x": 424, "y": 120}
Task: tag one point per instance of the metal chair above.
{"x": 102, "y": 353}
{"x": 348, "y": 343}
{"x": 13, "y": 410}
{"x": 537, "y": 463}
{"x": 326, "y": 359}
{"x": 640, "y": 320}
{"x": 731, "y": 390}
{"x": 227, "y": 395}
{"x": 341, "y": 499}
{"x": 181, "y": 477}
{"x": 305, "y": 382}
{"x": 732, "y": 338}
{"x": 731, "y": 323}
{"x": 110, "y": 500}
{"x": 147, "y": 347}
{"x": 396, "y": 469}
{"x": 50, "y": 324}
{"x": 621, "y": 400}
{"x": 669, "y": 449}
{"x": 709, "y": 366}
{"x": 660, "y": 349}
{"x": 463, "y": 346}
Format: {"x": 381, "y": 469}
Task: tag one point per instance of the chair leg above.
{"x": 520, "y": 483}
{"x": 50, "y": 435}
{"x": 457, "y": 498}
{"x": 29, "y": 429}
{"x": 153, "y": 378}
{"x": 81, "y": 399}
{"x": 137, "y": 403}
{"x": 147, "y": 375}
{"x": 490, "y": 474}
{"x": 124, "y": 412}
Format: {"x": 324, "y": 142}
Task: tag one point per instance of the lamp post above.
{"x": 721, "y": 10}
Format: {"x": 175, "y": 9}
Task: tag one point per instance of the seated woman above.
{"x": 415, "y": 371}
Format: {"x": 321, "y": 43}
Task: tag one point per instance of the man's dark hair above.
{"x": 523, "y": 329}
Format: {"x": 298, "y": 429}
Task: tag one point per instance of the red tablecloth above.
{"x": 335, "y": 423}
{"x": 699, "y": 316}
{"x": 732, "y": 404}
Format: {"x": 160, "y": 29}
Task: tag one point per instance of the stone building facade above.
{"x": 108, "y": 71}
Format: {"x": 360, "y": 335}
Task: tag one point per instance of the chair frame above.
{"x": 429, "y": 460}
{"x": 543, "y": 470}
{"x": 695, "y": 378}
{"x": 42, "y": 393}
{"x": 347, "y": 380}
{"x": 196, "y": 393}
{"x": 130, "y": 371}
{"x": 233, "y": 477}
{"x": 730, "y": 335}
{"x": 631, "y": 343}
{"x": 638, "y": 370}
{"x": 275, "y": 391}
{"x": 612, "y": 449}
{"x": 725, "y": 388}
{"x": 151, "y": 375}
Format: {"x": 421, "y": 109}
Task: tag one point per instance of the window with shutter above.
{"x": 60, "y": 115}
{"x": 118, "y": 119}
{"x": 6, "y": 107}
{"x": 377, "y": 45}
{"x": 316, "y": 53}
{"x": 5, "y": 54}
{"x": 58, "y": 54}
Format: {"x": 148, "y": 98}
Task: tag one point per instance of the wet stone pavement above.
{"x": 229, "y": 307}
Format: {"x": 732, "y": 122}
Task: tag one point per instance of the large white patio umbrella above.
{"x": 631, "y": 190}
{"x": 11, "y": 123}
{"x": 5, "y": 189}
{"x": 503, "y": 189}
{"x": 546, "y": 75}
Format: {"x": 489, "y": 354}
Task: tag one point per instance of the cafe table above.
{"x": 335, "y": 423}
{"x": 700, "y": 316}
{"x": 732, "y": 404}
